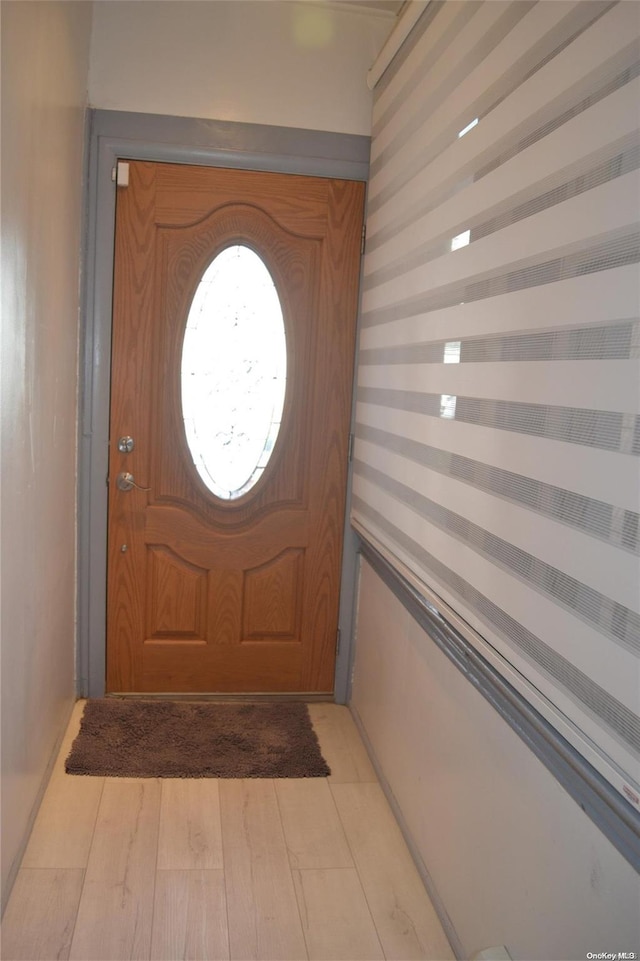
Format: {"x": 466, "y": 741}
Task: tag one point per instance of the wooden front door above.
{"x": 235, "y": 594}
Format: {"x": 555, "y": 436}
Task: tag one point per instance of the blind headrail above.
{"x": 410, "y": 15}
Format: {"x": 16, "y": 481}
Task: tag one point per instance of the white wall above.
{"x": 514, "y": 859}
{"x": 45, "y": 49}
{"x": 283, "y": 63}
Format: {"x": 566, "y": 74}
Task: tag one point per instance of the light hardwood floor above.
{"x": 204, "y": 869}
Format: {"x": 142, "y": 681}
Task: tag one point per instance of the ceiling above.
{"x": 383, "y": 8}
{"x": 380, "y": 6}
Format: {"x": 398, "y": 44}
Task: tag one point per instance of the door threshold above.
{"x": 216, "y": 696}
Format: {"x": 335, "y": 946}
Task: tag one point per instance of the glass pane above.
{"x": 234, "y": 361}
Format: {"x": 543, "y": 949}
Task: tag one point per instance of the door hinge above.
{"x": 352, "y": 440}
{"x": 120, "y": 174}
{"x": 338, "y": 640}
{"x": 364, "y": 239}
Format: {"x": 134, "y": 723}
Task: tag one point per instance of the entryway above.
{"x": 167, "y": 868}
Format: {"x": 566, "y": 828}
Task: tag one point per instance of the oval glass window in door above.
{"x": 234, "y": 360}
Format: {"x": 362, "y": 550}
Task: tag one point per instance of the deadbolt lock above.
{"x": 126, "y": 445}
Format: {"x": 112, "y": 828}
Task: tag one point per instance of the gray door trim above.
{"x": 115, "y": 135}
{"x": 599, "y": 800}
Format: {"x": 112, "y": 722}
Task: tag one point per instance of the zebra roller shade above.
{"x": 497, "y": 439}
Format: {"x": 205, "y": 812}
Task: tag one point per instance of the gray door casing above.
{"x": 113, "y": 136}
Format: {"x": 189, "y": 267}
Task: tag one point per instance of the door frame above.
{"x": 114, "y": 135}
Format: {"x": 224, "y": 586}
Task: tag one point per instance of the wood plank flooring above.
{"x": 206, "y": 869}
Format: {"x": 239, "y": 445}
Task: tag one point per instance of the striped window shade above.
{"x": 497, "y": 422}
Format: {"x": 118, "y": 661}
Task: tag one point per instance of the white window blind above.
{"x": 497, "y": 425}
